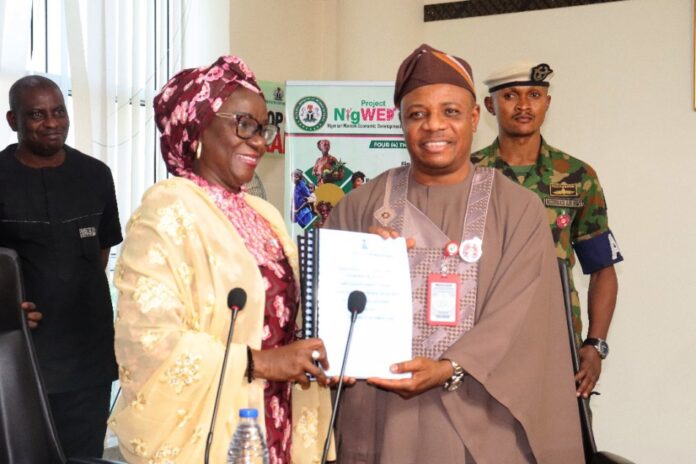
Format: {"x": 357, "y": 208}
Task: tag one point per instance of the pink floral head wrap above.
{"x": 188, "y": 103}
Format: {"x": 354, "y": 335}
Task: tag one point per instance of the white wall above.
{"x": 284, "y": 40}
{"x": 375, "y": 35}
{"x": 622, "y": 101}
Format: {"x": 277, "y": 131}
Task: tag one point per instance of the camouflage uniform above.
{"x": 576, "y": 209}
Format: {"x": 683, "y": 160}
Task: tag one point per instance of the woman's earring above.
{"x": 199, "y": 149}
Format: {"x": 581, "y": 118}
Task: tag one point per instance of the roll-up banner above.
{"x": 274, "y": 93}
{"x": 339, "y": 135}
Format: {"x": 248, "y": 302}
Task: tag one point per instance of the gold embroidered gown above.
{"x": 180, "y": 259}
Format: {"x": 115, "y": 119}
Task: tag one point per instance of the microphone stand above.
{"x": 209, "y": 441}
{"x": 327, "y": 442}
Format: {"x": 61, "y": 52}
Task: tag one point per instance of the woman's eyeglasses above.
{"x": 247, "y": 127}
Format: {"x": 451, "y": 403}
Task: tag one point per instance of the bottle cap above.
{"x": 248, "y": 413}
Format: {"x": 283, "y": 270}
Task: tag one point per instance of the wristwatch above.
{"x": 455, "y": 381}
{"x": 599, "y": 344}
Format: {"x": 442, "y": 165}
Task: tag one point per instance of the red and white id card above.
{"x": 443, "y": 299}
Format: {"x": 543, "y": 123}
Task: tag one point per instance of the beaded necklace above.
{"x": 257, "y": 233}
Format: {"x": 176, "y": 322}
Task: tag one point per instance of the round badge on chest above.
{"x": 563, "y": 220}
{"x": 451, "y": 249}
{"x": 471, "y": 250}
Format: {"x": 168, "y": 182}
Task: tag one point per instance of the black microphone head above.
{"x": 236, "y": 299}
{"x": 356, "y": 301}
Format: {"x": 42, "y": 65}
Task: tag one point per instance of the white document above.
{"x": 382, "y": 334}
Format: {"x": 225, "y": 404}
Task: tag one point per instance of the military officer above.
{"x": 519, "y": 99}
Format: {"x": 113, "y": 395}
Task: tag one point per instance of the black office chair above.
{"x": 27, "y": 432}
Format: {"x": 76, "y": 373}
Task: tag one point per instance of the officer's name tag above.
{"x": 564, "y": 202}
{"x": 443, "y": 299}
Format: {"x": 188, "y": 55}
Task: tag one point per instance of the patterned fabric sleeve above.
{"x": 592, "y": 240}
{"x": 592, "y": 218}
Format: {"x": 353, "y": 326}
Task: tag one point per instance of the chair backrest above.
{"x": 27, "y": 433}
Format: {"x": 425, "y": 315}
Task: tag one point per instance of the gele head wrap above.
{"x": 188, "y": 102}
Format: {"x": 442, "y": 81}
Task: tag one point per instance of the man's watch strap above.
{"x": 455, "y": 381}
{"x": 599, "y": 344}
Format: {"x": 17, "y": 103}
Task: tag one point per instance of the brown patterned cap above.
{"x": 426, "y": 66}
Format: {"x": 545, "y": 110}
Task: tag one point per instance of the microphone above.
{"x": 236, "y": 300}
{"x": 356, "y": 305}
{"x": 356, "y": 302}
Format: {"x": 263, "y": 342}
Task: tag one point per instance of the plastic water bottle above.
{"x": 248, "y": 445}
